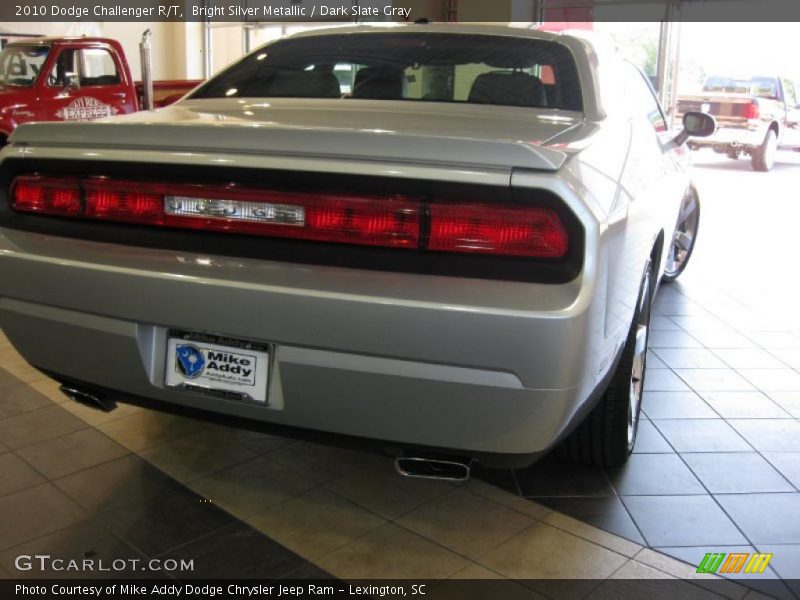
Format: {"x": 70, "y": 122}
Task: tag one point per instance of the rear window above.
{"x": 424, "y": 67}
{"x": 764, "y": 87}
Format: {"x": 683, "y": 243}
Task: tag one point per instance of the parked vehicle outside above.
{"x": 71, "y": 79}
{"x": 455, "y": 255}
{"x": 756, "y": 116}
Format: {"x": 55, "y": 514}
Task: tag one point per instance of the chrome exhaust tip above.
{"x": 432, "y": 468}
{"x": 88, "y": 397}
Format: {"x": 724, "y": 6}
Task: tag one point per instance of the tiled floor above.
{"x": 717, "y": 463}
{"x": 69, "y": 490}
{"x": 135, "y": 484}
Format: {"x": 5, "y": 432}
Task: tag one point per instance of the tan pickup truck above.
{"x": 755, "y": 116}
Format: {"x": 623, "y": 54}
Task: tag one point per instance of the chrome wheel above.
{"x": 763, "y": 157}
{"x": 639, "y": 362}
{"x": 685, "y": 235}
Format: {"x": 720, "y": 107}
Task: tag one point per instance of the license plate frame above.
{"x": 231, "y": 359}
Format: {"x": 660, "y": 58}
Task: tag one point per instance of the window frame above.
{"x": 112, "y": 53}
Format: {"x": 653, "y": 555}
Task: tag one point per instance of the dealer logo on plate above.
{"x": 190, "y": 360}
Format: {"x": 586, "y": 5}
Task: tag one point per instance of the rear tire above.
{"x": 763, "y": 158}
{"x": 607, "y": 436}
{"x": 683, "y": 240}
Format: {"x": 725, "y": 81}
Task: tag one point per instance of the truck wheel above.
{"x": 607, "y": 435}
{"x": 763, "y": 158}
{"x": 680, "y": 251}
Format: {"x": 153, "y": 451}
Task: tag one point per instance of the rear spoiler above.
{"x": 237, "y": 138}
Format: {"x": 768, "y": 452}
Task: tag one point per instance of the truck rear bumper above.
{"x": 732, "y": 137}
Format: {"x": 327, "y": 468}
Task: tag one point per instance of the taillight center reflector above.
{"x": 236, "y": 210}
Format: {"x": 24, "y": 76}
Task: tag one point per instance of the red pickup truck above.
{"x": 71, "y": 79}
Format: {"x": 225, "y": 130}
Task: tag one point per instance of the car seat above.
{"x": 509, "y": 89}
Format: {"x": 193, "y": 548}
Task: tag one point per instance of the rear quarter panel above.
{"x": 631, "y": 180}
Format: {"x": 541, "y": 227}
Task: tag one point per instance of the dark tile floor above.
{"x": 67, "y": 490}
{"x": 716, "y": 463}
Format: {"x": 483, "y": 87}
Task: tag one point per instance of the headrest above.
{"x": 510, "y": 89}
{"x": 379, "y": 83}
{"x": 305, "y": 84}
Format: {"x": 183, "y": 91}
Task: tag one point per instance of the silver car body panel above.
{"x": 473, "y": 365}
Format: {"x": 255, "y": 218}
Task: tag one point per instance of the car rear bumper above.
{"x": 388, "y": 356}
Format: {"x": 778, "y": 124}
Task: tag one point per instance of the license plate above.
{"x": 219, "y": 366}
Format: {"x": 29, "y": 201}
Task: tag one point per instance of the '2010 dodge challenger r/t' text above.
{"x": 442, "y": 238}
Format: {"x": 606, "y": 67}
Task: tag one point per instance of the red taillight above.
{"x": 751, "y": 110}
{"x": 486, "y": 229}
{"x": 394, "y": 222}
{"x": 50, "y": 195}
{"x": 389, "y": 222}
{"x": 121, "y": 205}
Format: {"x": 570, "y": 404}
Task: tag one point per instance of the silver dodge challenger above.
{"x": 443, "y": 239}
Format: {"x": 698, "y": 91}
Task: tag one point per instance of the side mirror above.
{"x": 696, "y": 124}
{"x": 73, "y": 82}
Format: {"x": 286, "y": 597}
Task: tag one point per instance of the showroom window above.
{"x": 20, "y": 65}
{"x": 641, "y": 96}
